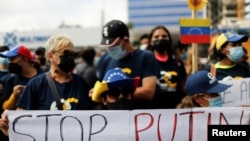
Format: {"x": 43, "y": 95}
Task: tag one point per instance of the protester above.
{"x": 170, "y": 84}
{"x": 181, "y": 52}
{"x": 86, "y": 68}
{"x": 144, "y": 41}
{"x": 72, "y": 89}
{"x": 4, "y": 64}
{"x": 136, "y": 62}
{"x": 22, "y": 69}
{"x": 202, "y": 90}
{"x": 40, "y": 56}
{"x": 229, "y": 52}
{"x": 115, "y": 92}
{"x": 4, "y": 74}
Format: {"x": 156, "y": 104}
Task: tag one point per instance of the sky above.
{"x": 27, "y": 15}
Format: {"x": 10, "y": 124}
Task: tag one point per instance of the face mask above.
{"x": 116, "y": 52}
{"x": 143, "y": 46}
{"x": 184, "y": 56}
{"x": 96, "y": 60}
{"x": 15, "y": 68}
{"x": 121, "y": 104}
{"x": 236, "y": 54}
{"x": 161, "y": 45}
{"x": 215, "y": 102}
{"x": 67, "y": 62}
{"x": 42, "y": 60}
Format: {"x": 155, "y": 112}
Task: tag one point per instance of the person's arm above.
{"x": 4, "y": 121}
{"x": 10, "y": 103}
{"x": 147, "y": 90}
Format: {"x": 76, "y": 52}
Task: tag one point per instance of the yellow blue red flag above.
{"x": 194, "y": 30}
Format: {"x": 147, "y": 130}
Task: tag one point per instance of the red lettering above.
{"x": 147, "y": 127}
{"x": 190, "y": 138}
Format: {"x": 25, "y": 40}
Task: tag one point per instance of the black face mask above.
{"x": 15, "y": 68}
{"x": 67, "y": 61}
{"x": 121, "y": 104}
{"x": 161, "y": 45}
{"x": 42, "y": 60}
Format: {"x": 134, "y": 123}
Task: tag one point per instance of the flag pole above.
{"x": 194, "y": 49}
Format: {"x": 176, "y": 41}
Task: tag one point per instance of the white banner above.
{"x": 137, "y": 125}
{"x": 238, "y": 94}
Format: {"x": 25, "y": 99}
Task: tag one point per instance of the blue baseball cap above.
{"x": 17, "y": 50}
{"x": 204, "y": 82}
{"x": 229, "y": 37}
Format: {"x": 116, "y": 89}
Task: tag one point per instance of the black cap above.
{"x": 112, "y": 30}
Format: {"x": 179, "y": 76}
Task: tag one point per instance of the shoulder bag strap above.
{"x": 54, "y": 91}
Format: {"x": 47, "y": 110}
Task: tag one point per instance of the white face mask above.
{"x": 116, "y": 52}
{"x": 143, "y": 46}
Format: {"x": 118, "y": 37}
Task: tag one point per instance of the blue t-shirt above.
{"x": 38, "y": 96}
{"x": 13, "y": 80}
{"x": 138, "y": 63}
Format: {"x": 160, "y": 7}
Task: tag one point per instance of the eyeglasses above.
{"x": 116, "y": 92}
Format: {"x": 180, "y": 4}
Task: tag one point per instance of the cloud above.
{"x": 23, "y": 15}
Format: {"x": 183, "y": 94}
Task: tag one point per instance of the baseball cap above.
{"x": 203, "y": 82}
{"x": 17, "y": 50}
{"x": 111, "y": 31}
{"x": 229, "y": 37}
{"x": 113, "y": 78}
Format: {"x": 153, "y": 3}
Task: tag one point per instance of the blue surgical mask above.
{"x": 236, "y": 54}
{"x": 184, "y": 56}
{"x": 116, "y": 52}
{"x": 215, "y": 102}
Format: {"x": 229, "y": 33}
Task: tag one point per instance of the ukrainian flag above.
{"x": 195, "y": 30}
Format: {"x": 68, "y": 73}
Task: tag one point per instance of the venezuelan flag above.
{"x": 195, "y": 30}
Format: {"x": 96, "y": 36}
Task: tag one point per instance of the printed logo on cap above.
{"x": 105, "y": 31}
{"x": 211, "y": 77}
{"x": 229, "y": 34}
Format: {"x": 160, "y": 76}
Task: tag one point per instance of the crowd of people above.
{"x": 152, "y": 76}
